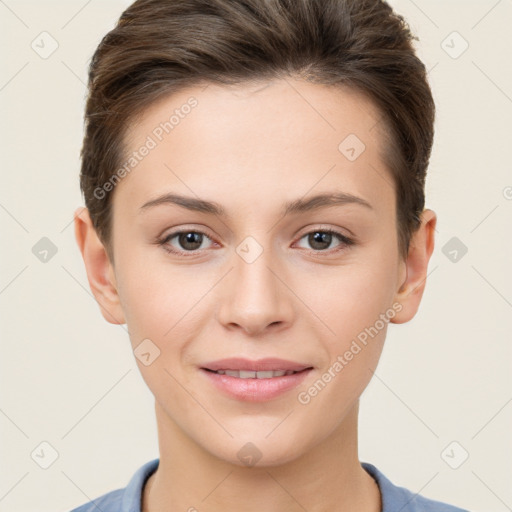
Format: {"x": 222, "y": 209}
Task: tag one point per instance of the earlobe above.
{"x": 100, "y": 271}
{"x": 411, "y": 289}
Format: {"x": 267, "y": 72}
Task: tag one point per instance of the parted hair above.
{"x": 159, "y": 47}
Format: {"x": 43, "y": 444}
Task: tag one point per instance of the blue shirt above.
{"x": 394, "y": 499}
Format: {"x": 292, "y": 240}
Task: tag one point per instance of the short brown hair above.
{"x": 161, "y": 46}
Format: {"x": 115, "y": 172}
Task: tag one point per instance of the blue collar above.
{"x": 394, "y": 498}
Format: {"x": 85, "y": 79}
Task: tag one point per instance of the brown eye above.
{"x": 321, "y": 240}
{"x": 190, "y": 241}
{"x": 187, "y": 241}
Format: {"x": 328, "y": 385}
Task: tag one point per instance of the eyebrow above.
{"x": 297, "y": 206}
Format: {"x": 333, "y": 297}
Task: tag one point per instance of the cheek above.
{"x": 351, "y": 297}
{"x": 157, "y": 308}
{"x": 157, "y": 298}
{"x": 356, "y": 304}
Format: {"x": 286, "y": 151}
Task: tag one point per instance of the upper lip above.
{"x": 267, "y": 364}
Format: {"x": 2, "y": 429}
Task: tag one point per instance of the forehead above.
{"x": 250, "y": 140}
{"x": 261, "y": 108}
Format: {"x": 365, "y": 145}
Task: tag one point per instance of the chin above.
{"x": 258, "y": 453}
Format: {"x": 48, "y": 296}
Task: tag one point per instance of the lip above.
{"x": 259, "y": 365}
{"x": 254, "y": 389}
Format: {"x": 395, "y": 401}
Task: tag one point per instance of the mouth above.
{"x": 248, "y": 374}
{"x": 248, "y": 367}
{"x": 255, "y": 381}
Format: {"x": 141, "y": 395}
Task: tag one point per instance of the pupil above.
{"x": 321, "y": 238}
{"x": 190, "y": 238}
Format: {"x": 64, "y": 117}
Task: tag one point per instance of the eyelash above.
{"x": 345, "y": 241}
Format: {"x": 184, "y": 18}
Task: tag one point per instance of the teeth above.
{"x": 246, "y": 374}
{"x": 265, "y": 375}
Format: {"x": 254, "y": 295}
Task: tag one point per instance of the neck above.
{"x": 327, "y": 477}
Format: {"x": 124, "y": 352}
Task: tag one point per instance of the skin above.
{"x": 252, "y": 148}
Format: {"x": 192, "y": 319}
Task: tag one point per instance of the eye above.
{"x": 189, "y": 241}
{"x": 321, "y": 239}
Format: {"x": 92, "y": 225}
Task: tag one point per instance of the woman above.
{"x": 253, "y": 172}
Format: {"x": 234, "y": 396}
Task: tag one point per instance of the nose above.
{"x": 255, "y": 297}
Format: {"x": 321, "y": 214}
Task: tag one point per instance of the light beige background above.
{"x": 68, "y": 378}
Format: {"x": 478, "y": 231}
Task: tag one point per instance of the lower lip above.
{"x": 256, "y": 390}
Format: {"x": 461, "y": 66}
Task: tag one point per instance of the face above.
{"x": 223, "y": 250}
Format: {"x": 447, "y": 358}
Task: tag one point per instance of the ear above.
{"x": 415, "y": 268}
{"x": 100, "y": 271}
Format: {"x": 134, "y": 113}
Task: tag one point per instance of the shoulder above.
{"x": 127, "y": 499}
{"x": 109, "y": 502}
{"x": 399, "y": 498}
